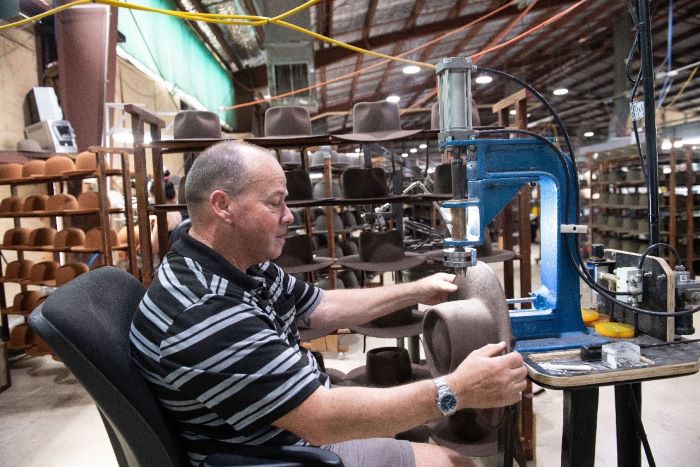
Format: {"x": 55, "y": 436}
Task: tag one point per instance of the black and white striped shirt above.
{"x": 220, "y": 348}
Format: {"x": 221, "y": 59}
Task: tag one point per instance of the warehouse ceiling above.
{"x": 581, "y": 52}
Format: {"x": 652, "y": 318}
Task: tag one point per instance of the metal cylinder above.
{"x": 454, "y": 91}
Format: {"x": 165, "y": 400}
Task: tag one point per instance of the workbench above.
{"x": 581, "y": 394}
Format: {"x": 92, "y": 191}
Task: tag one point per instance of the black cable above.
{"x": 655, "y": 245}
{"x": 641, "y": 434}
{"x": 540, "y": 98}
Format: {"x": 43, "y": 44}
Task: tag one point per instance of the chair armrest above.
{"x": 277, "y": 456}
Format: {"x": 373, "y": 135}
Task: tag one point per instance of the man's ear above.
{"x": 221, "y": 205}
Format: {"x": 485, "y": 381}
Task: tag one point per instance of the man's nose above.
{"x": 287, "y": 216}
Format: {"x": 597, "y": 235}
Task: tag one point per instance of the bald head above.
{"x": 230, "y": 166}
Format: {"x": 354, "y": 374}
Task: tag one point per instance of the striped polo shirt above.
{"x": 220, "y": 348}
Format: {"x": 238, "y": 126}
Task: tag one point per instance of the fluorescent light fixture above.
{"x": 411, "y": 69}
{"x": 483, "y": 79}
{"x": 393, "y": 98}
{"x": 357, "y": 149}
{"x": 413, "y": 150}
{"x": 512, "y": 112}
{"x": 595, "y": 156}
{"x": 423, "y": 146}
{"x": 560, "y": 91}
{"x": 588, "y": 134}
{"x": 405, "y": 154}
{"x": 678, "y": 144}
{"x": 431, "y": 170}
{"x": 315, "y": 175}
{"x": 666, "y": 144}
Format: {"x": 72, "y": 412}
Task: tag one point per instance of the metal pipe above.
{"x": 644, "y": 28}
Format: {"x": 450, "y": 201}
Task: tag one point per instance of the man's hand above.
{"x": 488, "y": 379}
{"x": 435, "y": 289}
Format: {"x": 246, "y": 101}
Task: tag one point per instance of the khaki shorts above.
{"x": 374, "y": 452}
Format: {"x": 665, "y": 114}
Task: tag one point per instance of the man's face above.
{"x": 263, "y": 216}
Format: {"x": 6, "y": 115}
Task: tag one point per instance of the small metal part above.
{"x": 574, "y": 228}
{"x": 629, "y": 279}
{"x": 459, "y": 258}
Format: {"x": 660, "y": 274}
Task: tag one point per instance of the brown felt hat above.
{"x": 320, "y": 226}
{"x": 15, "y": 237}
{"x": 451, "y": 331}
{"x": 12, "y": 204}
{"x": 68, "y": 272}
{"x": 376, "y": 121}
{"x": 34, "y": 168}
{"x": 287, "y": 122}
{"x": 29, "y": 145}
{"x": 88, "y": 201}
{"x": 42, "y": 236}
{"x": 320, "y": 190}
{"x": 10, "y": 171}
{"x": 297, "y": 256}
{"x": 299, "y": 189}
{"x": 316, "y": 160}
{"x": 382, "y": 252}
{"x": 365, "y": 184}
{"x": 25, "y": 302}
{"x": 290, "y": 158}
{"x": 93, "y": 241}
{"x": 85, "y": 163}
{"x": 43, "y": 273}
{"x": 61, "y": 202}
{"x": 35, "y": 203}
{"x": 67, "y": 238}
{"x": 58, "y": 165}
{"x": 123, "y": 235}
{"x": 386, "y": 367}
{"x": 17, "y": 270}
{"x": 406, "y": 322}
{"x": 196, "y": 125}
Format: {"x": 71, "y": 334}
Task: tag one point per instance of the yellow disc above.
{"x": 615, "y": 329}
{"x": 589, "y": 316}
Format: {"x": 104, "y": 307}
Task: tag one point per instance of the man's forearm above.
{"x": 340, "y": 414}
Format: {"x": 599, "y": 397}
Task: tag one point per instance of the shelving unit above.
{"x": 618, "y": 202}
{"x": 58, "y": 184}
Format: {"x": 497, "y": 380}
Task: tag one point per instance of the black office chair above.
{"x": 86, "y": 322}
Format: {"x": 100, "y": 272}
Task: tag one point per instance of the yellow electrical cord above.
{"x": 682, "y": 90}
{"x": 245, "y": 20}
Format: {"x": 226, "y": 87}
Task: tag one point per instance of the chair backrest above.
{"x": 86, "y": 323}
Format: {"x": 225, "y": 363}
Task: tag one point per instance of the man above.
{"x": 216, "y": 334}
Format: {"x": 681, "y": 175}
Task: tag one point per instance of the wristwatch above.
{"x": 446, "y": 399}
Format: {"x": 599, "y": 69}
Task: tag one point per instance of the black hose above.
{"x": 655, "y": 245}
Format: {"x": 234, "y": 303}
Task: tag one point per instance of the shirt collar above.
{"x": 214, "y": 262}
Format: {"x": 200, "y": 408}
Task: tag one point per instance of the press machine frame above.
{"x": 496, "y": 169}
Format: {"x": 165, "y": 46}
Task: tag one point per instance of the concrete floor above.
{"x": 47, "y": 419}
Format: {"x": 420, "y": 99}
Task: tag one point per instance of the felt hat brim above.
{"x": 410, "y": 260}
{"x": 444, "y": 436}
{"x": 337, "y": 377}
{"x": 496, "y": 256}
{"x": 302, "y": 203}
{"x": 378, "y": 136}
{"x": 414, "y": 328}
{"x": 358, "y": 376}
{"x": 319, "y": 263}
{"x": 287, "y": 140}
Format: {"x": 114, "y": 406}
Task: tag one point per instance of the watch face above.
{"x": 448, "y": 403}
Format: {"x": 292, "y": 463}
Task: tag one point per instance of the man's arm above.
{"x": 484, "y": 379}
{"x": 349, "y": 307}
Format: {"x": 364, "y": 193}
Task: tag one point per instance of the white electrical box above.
{"x": 53, "y": 135}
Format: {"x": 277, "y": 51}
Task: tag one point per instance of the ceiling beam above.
{"x": 326, "y": 56}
